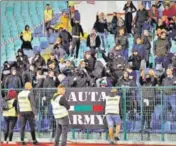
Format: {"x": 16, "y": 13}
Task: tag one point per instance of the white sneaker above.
{"x": 11, "y": 142}
{"x": 5, "y": 142}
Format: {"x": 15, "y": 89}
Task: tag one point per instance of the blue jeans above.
{"x": 113, "y": 120}
{"x": 145, "y": 4}
{"x": 103, "y": 37}
{"x": 125, "y": 54}
{"x": 162, "y": 59}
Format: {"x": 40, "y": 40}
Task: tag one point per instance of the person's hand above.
{"x": 44, "y": 98}
{"x": 19, "y": 116}
{"x": 35, "y": 117}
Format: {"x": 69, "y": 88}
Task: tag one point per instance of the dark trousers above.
{"x": 162, "y": 60}
{"x": 26, "y": 45}
{"x": 61, "y": 128}
{"x": 66, "y": 46}
{"x": 139, "y": 27}
{"x": 75, "y": 43}
{"x": 147, "y": 114}
{"x": 9, "y": 126}
{"x": 48, "y": 27}
{"x": 28, "y": 116}
{"x": 128, "y": 21}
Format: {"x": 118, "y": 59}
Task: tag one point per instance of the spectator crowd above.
{"x": 120, "y": 67}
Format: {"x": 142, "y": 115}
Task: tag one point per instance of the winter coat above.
{"x": 28, "y": 76}
{"x": 123, "y": 40}
{"x": 100, "y": 25}
{"x": 161, "y": 47}
{"x": 136, "y": 61}
{"x": 38, "y": 63}
{"x": 96, "y": 39}
{"x": 76, "y": 29}
{"x": 59, "y": 51}
{"x": 141, "y": 16}
{"x": 13, "y": 81}
{"x": 141, "y": 50}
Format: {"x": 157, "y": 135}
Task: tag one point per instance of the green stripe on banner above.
{"x": 83, "y": 108}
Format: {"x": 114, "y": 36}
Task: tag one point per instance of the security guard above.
{"x": 26, "y": 37}
{"x": 60, "y": 108}
{"x": 48, "y": 16}
{"x": 27, "y": 111}
{"x": 10, "y": 115}
{"x": 112, "y": 112}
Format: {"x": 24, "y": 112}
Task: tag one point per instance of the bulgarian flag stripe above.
{"x": 87, "y": 108}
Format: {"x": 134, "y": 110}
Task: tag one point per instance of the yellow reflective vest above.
{"x": 48, "y": 15}
{"x": 23, "y": 101}
{"x": 11, "y": 112}
{"x": 59, "y": 111}
{"x": 112, "y": 105}
{"x": 27, "y": 36}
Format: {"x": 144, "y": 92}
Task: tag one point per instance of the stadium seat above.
{"x": 52, "y": 39}
{"x": 167, "y": 126}
{"x": 158, "y": 110}
{"x": 44, "y": 44}
{"x": 17, "y": 126}
{"x": 44, "y": 125}
{"x": 37, "y": 49}
{"x": 29, "y": 53}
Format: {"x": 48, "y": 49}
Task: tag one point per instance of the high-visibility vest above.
{"x": 27, "y": 36}
{"x": 11, "y": 112}
{"x": 23, "y": 101}
{"x": 59, "y": 111}
{"x": 48, "y": 15}
{"x": 112, "y": 105}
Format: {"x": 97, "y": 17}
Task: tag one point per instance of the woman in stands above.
{"x": 26, "y": 37}
{"x": 10, "y": 115}
{"x": 129, "y": 9}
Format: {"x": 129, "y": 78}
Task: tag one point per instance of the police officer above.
{"x": 60, "y": 108}
{"x": 26, "y": 37}
{"x": 27, "y": 111}
{"x": 10, "y": 115}
{"x": 112, "y": 112}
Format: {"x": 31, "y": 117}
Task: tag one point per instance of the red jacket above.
{"x": 155, "y": 14}
{"x": 168, "y": 13}
{"x": 173, "y": 9}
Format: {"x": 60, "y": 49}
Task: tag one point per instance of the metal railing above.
{"x": 148, "y": 113}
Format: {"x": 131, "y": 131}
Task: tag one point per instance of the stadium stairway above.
{"x": 15, "y": 16}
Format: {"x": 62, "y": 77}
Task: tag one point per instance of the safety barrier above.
{"x": 148, "y": 113}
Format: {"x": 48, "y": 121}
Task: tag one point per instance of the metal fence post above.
{"x": 142, "y": 126}
{"x": 162, "y": 116}
{"x": 0, "y": 126}
{"x": 124, "y": 112}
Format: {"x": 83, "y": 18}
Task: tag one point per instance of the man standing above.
{"x": 48, "y": 16}
{"x": 27, "y": 111}
{"x": 141, "y": 18}
{"x": 60, "y": 108}
{"x": 112, "y": 112}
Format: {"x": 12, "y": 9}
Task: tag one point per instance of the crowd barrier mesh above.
{"x": 147, "y": 113}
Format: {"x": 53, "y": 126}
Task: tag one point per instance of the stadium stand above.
{"x": 136, "y": 116}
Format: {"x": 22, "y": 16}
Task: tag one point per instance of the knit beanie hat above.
{"x": 12, "y": 94}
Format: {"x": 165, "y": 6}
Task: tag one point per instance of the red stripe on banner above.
{"x": 98, "y": 108}
{"x": 91, "y": 2}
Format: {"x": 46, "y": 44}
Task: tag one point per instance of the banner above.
{"x": 91, "y": 2}
{"x": 87, "y": 107}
